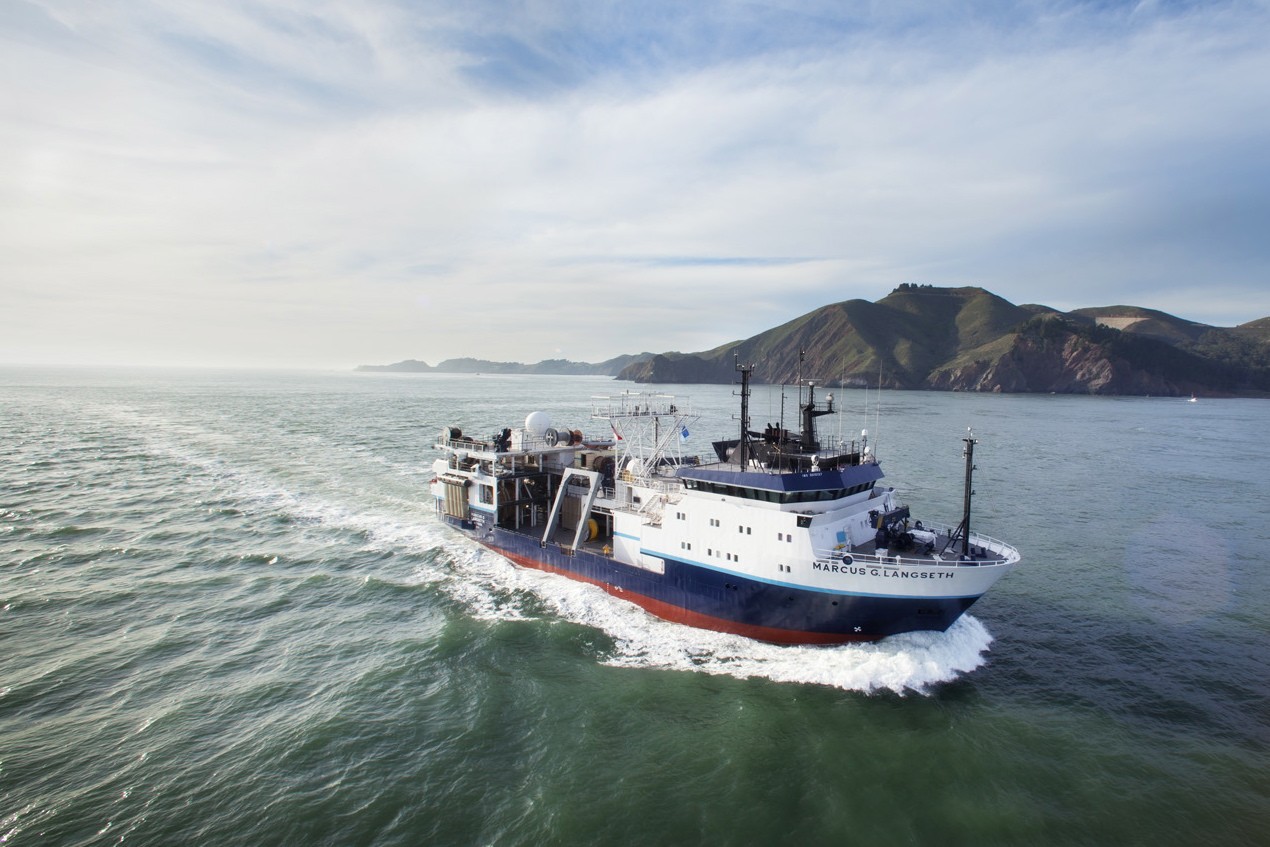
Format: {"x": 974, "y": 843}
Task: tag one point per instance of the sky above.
{"x": 321, "y": 183}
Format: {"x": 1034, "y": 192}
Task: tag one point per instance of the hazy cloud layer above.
{"x": 328, "y": 183}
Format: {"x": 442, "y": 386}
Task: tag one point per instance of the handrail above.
{"x": 528, "y": 444}
{"x": 875, "y": 560}
{"x": 640, "y": 404}
{"x": 661, "y": 485}
{"x": 465, "y": 442}
{"x": 1003, "y": 554}
{"x": 996, "y": 545}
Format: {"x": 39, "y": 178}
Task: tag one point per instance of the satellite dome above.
{"x": 537, "y": 423}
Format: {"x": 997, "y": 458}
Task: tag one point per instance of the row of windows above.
{"x": 741, "y": 528}
{"x": 731, "y": 557}
{"x": 745, "y": 530}
{"x": 777, "y": 496}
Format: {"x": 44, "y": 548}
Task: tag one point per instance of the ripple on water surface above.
{"x": 229, "y": 618}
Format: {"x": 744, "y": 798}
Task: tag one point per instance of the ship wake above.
{"x": 493, "y": 589}
{"x": 912, "y": 662}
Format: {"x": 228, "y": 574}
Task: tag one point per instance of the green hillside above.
{"x": 972, "y": 340}
{"x": 958, "y": 339}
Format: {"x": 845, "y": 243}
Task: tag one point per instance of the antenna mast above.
{"x": 963, "y": 529}
{"x": 743, "y": 447}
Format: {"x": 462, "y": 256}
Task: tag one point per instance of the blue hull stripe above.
{"x": 704, "y": 596}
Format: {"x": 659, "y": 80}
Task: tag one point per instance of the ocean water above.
{"x": 229, "y": 616}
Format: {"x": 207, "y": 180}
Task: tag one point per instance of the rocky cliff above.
{"x": 968, "y": 339}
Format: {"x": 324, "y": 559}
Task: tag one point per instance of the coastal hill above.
{"x": 474, "y": 366}
{"x": 962, "y": 339}
{"x": 968, "y": 339}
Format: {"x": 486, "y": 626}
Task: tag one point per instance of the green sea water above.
{"x": 230, "y": 616}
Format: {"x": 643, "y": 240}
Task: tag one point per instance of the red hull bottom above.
{"x": 677, "y": 614}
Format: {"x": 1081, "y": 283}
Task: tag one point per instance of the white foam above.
{"x": 487, "y": 585}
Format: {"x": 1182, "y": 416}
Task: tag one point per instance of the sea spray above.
{"x": 488, "y": 587}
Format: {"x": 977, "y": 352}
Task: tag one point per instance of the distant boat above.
{"x": 1193, "y": 399}
{"x": 779, "y": 537}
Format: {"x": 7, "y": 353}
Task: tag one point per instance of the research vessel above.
{"x": 778, "y": 536}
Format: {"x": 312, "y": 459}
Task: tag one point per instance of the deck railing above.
{"x": 999, "y": 553}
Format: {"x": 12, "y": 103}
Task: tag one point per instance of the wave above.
{"x": 492, "y": 588}
{"x": 345, "y": 498}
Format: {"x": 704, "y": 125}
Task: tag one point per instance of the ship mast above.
{"x": 963, "y": 529}
{"x": 809, "y": 442}
{"x": 743, "y": 448}
{"x": 970, "y": 470}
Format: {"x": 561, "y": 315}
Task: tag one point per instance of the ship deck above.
{"x": 930, "y": 548}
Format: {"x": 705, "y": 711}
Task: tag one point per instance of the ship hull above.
{"x": 727, "y": 602}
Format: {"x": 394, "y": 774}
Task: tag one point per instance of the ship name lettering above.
{"x": 833, "y": 568}
{"x": 829, "y": 567}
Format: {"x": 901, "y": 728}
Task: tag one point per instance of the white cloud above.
{"x": 345, "y": 183}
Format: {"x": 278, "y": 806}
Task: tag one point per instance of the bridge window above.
{"x": 777, "y": 496}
